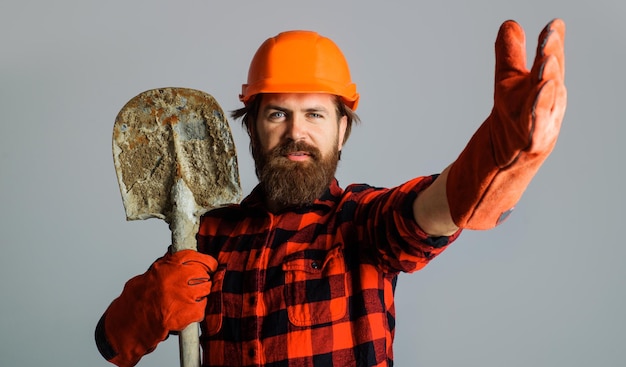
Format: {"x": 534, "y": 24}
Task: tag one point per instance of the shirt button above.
{"x": 315, "y": 265}
{"x": 252, "y": 300}
{"x": 251, "y": 352}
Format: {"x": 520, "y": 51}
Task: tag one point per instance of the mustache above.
{"x": 295, "y": 146}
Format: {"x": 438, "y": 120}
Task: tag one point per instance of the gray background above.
{"x": 544, "y": 289}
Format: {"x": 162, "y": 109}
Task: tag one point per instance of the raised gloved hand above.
{"x": 489, "y": 177}
{"x": 167, "y": 297}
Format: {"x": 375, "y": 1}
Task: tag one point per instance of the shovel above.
{"x": 175, "y": 160}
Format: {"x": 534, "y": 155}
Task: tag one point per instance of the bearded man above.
{"x": 303, "y": 272}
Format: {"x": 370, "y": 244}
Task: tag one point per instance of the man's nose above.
{"x": 296, "y": 128}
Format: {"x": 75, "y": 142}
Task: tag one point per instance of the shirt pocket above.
{"x": 315, "y": 287}
{"x": 213, "y": 313}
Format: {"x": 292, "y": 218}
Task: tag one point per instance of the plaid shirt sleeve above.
{"x": 386, "y": 226}
{"x": 311, "y": 286}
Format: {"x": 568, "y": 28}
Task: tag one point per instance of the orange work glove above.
{"x": 489, "y": 177}
{"x": 167, "y": 297}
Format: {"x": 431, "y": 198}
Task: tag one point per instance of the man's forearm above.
{"x": 431, "y": 210}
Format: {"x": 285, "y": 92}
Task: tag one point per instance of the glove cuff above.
{"x": 482, "y": 193}
{"x": 129, "y": 328}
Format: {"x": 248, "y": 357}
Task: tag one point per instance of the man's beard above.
{"x": 293, "y": 184}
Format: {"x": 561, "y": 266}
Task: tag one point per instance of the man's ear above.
{"x": 343, "y": 125}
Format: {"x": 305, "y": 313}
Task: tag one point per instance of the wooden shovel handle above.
{"x": 184, "y": 223}
{"x": 189, "y": 346}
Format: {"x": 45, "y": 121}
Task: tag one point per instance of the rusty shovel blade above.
{"x": 175, "y": 159}
{"x": 166, "y": 134}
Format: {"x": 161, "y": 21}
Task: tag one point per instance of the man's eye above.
{"x": 277, "y": 115}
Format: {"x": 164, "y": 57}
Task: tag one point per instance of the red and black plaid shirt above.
{"x": 311, "y": 286}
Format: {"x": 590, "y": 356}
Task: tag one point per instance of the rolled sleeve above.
{"x": 401, "y": 244}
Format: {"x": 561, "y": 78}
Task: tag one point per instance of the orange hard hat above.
{"x": 300, "y": 62}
